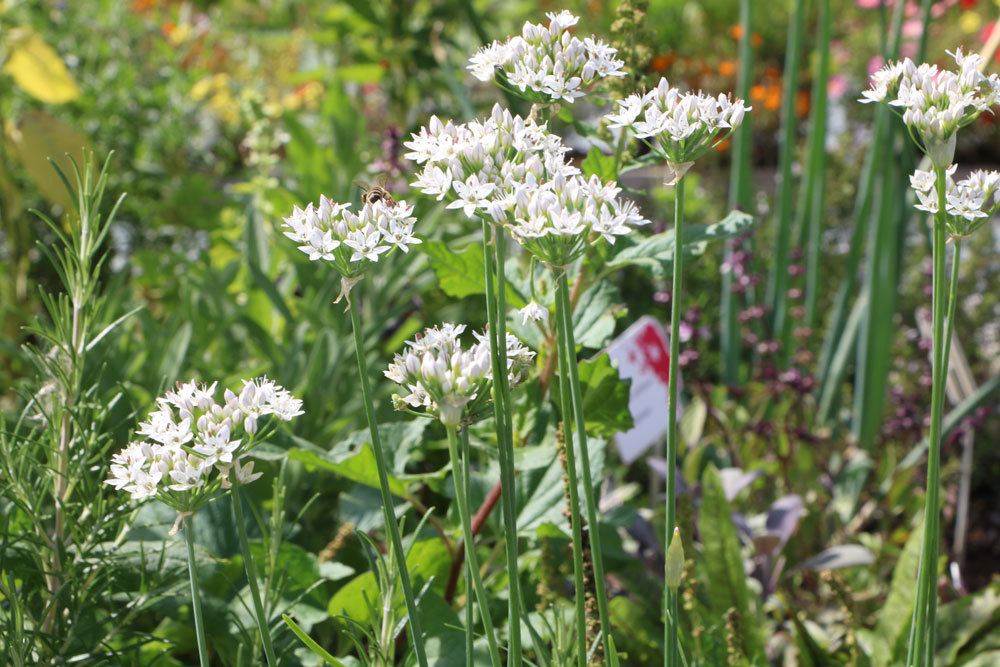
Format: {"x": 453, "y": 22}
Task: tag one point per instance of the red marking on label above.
{"x": 656, "y": 357}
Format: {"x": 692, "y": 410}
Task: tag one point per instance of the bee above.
{"x": 375, "y": 192}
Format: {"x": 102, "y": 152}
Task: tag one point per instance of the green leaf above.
{"x": 354, "y": 459}
{"x": 542, "y": 512}
{"x": 891, "y": 629}
{"x": 310, "y": 643}
{"x": 427, "y": 558}
{"x": 361, "y": 73}
{"x": 605, "y": 397}
{"x": 594, "y": 317}
{"x": 655, "y": 254}
{"x": 598, "y": 164}
{"x": 462, "y": 274}
{"x": 722, "y": 562}
{"x": 966, "y": 621}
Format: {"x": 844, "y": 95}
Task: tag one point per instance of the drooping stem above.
{"x": 472, "y": 561}
{"x": 671, "y": 654}
{"x": 574, "y": 496}
{"x": 568, "y": 339}
{"x": 251, "y": 570}
{"x": 391, "y": 528}
{"x": 199, "y": 621}
{"x": 920, "y": 649}
{"x": 494, "y": 256}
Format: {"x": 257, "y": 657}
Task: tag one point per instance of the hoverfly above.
{"x": 371, "y": 193}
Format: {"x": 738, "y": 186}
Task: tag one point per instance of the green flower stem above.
{"x": 671, "y": 655}
{"x": 574, "y": 498}
{"x": 391, "y": 528}
{"x": 588, "y": 482}
{"x": 251, "y": 570}
{"x": 470, "y": 619}
{"x": 920, "y": 650}
{"x": 496, "y": 315}
{"x": 471, "y": 560}
{"x": 199, "y": 621}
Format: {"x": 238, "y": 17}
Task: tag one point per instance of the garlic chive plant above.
{"x": 934, "y": 104}
{"x": 194, "y": 450}
{"x": 679, "y": 127}
{"x": 352, "y": 243}
{"x": 452, "y": 384}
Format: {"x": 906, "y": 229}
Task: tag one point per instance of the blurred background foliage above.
{"x": 223, "y": 114}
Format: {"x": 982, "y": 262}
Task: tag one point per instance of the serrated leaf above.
{"x": 37, "y": 69}
{"x": 605, "y": 397}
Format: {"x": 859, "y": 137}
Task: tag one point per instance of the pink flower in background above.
{"x": 871, "y": 4}
{"x": 913, "y": 28}
{"x": 836, "y": 86}
{"x": 875, "y": 64}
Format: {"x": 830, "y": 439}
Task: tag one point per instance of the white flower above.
{"x": 556, "y": 219}
{"x": 332, "y": 232}
{"x": 935, "y": 103}
{"x": 448, "y": 381}
{"x": 534, "y": 313}
{"x": 244, "y": 474}
{"x": 190, "y": 435}
{"x": 548, "y": 63}
{"x": 682, "y": 126}
{"x": 969, "y": 203}
{"x": 478, "y": 165}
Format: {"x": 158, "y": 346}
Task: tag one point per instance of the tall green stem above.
{"x": 920, "y": 651}
{"x": 462, "y": 500}
{"x": 588, "y": 482}
{"x": 574, "y": 497}
{"x": 199, "y": 620}
{"x": 251, "y": 570}
{"x": 671, "y": 655}
{"x": 391, "y": 528}
{"x": 470, "y": 619}
{"x": 496, "y": 314}
{"x": 739, "y": 198}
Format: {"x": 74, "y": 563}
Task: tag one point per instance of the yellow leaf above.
{"x": 38, "y": 137}
{"x": 38, "y": 69}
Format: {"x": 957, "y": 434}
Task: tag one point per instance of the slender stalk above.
{"x": 671, "y": 639}
{"x": 574, "y": 498}
{"x": 471, "y": 559}
{"x": 391, "y": 528}
{"x": 251, "y": 570}
{"x": 778, "y": 283}
{"x": 588, "y": 483}
{"x": 920, "y": 651}
{"x": 199, "y": 621}
{"x": 496, "y": 313}
{"x": 470, "y": 619}
{"x": 739, "y": 198}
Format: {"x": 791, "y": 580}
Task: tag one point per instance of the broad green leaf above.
{"x": 37, "y": 69}
{"x": 462, "y": 274}
{"x": 354, "y": 459}
{"x": 594, "y": 317}
{"x": 38, "y": 137}
{"x": 605, "y": 397}
{"x": 968, "y": 619}
{"x": 722, "y": 562}
{"x": 655, "y": 254}
{"x": 427, "y": 558}
{"x": 891, "y": 629}
{"x": 598, "y": 164}
{"x": 542, "y": 512}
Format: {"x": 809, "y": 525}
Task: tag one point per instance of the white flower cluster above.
{"x": 548, "y": 63}
{"x": 333, "y": 232}
{"x": 969, "y": 203}
{"x": 556, "y": 219}
{"x": 680, "y": 125}
{"x": 190, "y": 435}
{"x": 478, "y": 164}
{"x": 446, "y": 380}
{"x": 935, "y": 102}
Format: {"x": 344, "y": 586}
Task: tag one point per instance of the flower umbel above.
{"x": 970, "y": 202}
{"x": 193, "y": 442}
{"x": 448, "y": 381}
{"x": 681, "y": 126}
{"x": 333, "y": 232}
{"x": 547, "y": 63}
